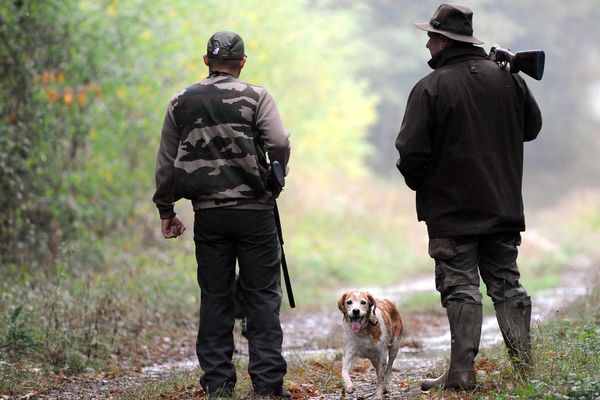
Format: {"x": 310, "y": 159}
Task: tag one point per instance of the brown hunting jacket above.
{"x": 461, "y": 144}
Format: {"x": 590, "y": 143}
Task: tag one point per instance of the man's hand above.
{"x": 171, "y": 228}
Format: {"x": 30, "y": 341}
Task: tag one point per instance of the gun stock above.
{"x": 530, "y": 62}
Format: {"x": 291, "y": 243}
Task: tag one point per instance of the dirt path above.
{"x": 315, "y": 334}
{"x": 309, "y": 334}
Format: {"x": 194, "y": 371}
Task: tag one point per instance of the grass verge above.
{"x": 567, "y": 360}
{"x": 71, "y": 320}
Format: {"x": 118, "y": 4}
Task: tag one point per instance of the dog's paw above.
{"x": 349, "y": 388}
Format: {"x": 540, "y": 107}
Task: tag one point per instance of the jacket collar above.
{"x": 456, "y": 54}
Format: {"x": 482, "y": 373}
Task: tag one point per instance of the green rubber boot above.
{"x": 465, "y": 329}
{"x": 514, "y": 318}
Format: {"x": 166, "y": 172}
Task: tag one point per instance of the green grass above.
{"x": 567, "y": 360}
{"x": 180, "y": 385}
{"x": 567, "y": 355}
{"x": 69, "y": 320}
{"x": 421, "y": 301}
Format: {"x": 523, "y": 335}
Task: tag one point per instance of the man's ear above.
{"x": 242, "y": 62}
{"x": 205, "y": 58}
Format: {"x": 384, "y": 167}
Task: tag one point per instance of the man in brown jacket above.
{"x": 461, "y": 150}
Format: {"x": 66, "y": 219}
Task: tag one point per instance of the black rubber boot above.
{"x": 514, "y": 318}
{"x": 465, "y": 329}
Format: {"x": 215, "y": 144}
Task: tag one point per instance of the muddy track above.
{"x": 308, "y": 334}
{"x": 316, "y": 333}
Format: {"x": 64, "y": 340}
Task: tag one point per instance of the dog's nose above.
{"x": 355, "y": 312}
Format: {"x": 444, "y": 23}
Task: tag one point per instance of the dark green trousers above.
{"x": 459, "y": 262}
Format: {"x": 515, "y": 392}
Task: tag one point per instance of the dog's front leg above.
{"x": 346, "y": 366}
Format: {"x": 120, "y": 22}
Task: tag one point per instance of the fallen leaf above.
{"x": 405, "y": 383}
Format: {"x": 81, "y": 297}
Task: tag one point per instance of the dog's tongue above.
{"x": 355, "y": 326}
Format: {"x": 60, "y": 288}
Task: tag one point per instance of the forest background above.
{"x": 86, "y": 276}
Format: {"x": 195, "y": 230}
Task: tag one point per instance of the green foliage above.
{"x": 567, "y": 367}
{"x": 87, "y": 84}
{"x": 30, "y": 139}
{"x": 421, "y": 301}
{"x": 53, "y": 182}
{"x": 19, "y": 338}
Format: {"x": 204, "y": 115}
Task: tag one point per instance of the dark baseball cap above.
{"x": 225, "y": 45}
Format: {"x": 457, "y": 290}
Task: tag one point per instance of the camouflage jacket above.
{"x": 215, "y": 138}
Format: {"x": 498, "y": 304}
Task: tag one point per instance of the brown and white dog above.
{"x": 372, "y": 330}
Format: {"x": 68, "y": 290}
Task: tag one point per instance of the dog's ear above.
{"x": 341, "y": 302}
{"x": 371, "y": 302}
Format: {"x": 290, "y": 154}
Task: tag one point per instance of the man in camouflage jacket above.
{"x": 215, "y": 140}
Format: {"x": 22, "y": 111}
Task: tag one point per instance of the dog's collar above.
{"x": 372, "y": 319}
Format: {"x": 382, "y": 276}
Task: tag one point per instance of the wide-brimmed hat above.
{"x": 225, "y": 45}
{"x": 452, "y": 20}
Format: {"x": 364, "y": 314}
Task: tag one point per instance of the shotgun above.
{"x": 276, "y": 184}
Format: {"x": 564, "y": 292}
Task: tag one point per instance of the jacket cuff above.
{"x": 166, "y": 213}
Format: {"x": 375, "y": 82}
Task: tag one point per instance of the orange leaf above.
{"x": 47, "y": 77}
{"x": 68, "y": 97}
{"x": 82, "y": 98}
{"x": 52, "y": 95}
